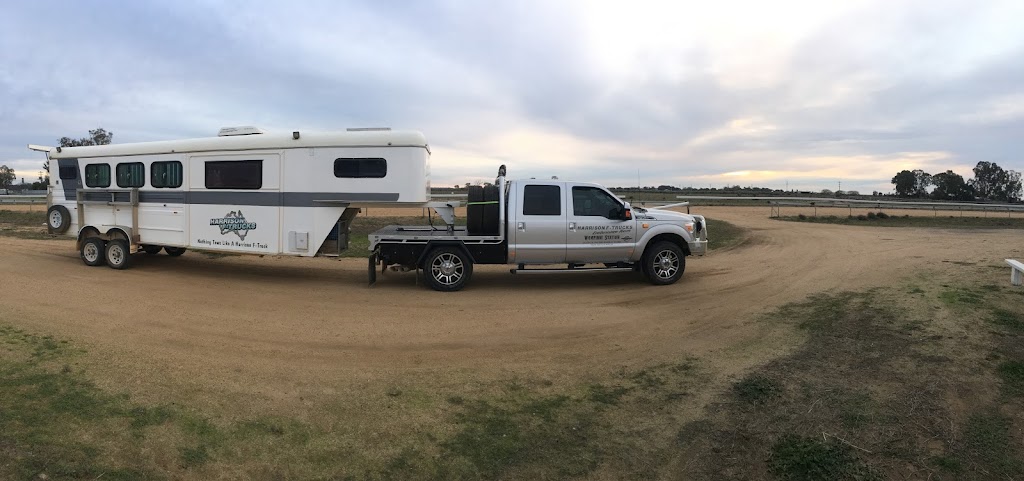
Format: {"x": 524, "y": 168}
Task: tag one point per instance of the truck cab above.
{"x": 571, "y": 225}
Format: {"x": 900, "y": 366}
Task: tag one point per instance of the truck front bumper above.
{"x": 698, "y": 247}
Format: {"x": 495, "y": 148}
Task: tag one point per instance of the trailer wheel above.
{"x": 152, "y": 250}
{"x": 174, "y": 251}
{"x": 117, "y": 254}
{"x": 664, "y": 263}
{"x": 447, "y": 269}
{"x": 58, "y": 219}
{"x": 93, "y": 251}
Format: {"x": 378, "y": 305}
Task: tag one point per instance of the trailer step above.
{"x": 559, "y": 270}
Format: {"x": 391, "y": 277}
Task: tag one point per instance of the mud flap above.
{"x": 372, "y": 269}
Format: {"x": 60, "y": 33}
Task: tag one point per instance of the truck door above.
{"x": 539, "y": 229}
{"x": 596, "y": 231}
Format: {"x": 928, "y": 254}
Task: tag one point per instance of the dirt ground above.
{"x": 288, "y": 330}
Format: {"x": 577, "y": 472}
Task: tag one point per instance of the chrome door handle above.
{"x": 521, "y": 226}
{"x": 572, "y": 226}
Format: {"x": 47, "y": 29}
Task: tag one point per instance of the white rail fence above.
{"x": 777, "y": 203}
{"x": 22, "y": 199}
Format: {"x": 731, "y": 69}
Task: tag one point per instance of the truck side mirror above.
{"x": 627, "y": 214}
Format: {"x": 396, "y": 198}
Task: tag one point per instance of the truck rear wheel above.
{"x": 447, "y": 269}
{"x": 664, "y": 263}
{"x": 151, "y": 249}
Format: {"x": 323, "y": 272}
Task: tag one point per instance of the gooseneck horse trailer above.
{"x": 243, "y": 191}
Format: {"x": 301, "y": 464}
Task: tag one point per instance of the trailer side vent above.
{"x": 232, "y": 131}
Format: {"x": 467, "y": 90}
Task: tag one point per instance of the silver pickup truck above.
{"x": 530, "y": 223}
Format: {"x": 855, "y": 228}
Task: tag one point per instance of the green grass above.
{"x": 55, "y": 421}
{"x": 867, "y": 398}
{"x": 800, "y": 458}
{"x": 954, "y": 222}
{"x": 723, "y": 235}
{"x": 756, "y": 389}
{"x": 1012, "y": 375}
{"x": 24, "y": 219}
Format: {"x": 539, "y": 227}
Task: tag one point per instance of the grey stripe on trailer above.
{"x": 265, "y": 199}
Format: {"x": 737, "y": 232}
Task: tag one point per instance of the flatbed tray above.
{"x": 405, "y": 233}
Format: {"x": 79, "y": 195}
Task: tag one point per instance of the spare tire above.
{"x": 58, "y": 219}
{"x": 490, "y": 213}
{"x": 474, "y": 209}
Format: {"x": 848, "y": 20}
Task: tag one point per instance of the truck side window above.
{"x": 234, "y": 174}
{"x": 97, "y": 175}
{"x": 132, "y": 174}
{"x": 166, "y": 174}
{"x": 542, "y": 200}
{"x": 68, "y": 172}
{"x": 591, "y": 201}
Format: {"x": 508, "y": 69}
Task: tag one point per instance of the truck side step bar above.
{"x": 558, "y": 270}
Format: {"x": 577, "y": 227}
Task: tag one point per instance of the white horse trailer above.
{"x": 243, "y": 191}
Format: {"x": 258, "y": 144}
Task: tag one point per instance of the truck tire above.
{"x": 664, "y": 263}
{"x": 174, "y": 251}
{"x": 93, "y": 250}
{"x": 117, "y": 254}
{"x": 151, "y": 249}
{"x": 447, "y": 269}
{"x": 58, "y": 219}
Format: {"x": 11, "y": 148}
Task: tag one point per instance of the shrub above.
{"x": 871, "y": 215}
{"x": 802, "y": 217}
{"x": 862, "y": 217}
{"x": 883, "y": 215}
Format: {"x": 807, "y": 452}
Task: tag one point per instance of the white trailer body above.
{"x": 243, "y": 191}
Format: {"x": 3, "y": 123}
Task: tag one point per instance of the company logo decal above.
{"x": 235, "y": 222}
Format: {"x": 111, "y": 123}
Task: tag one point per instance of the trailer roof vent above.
{"x": 368, "y": 129}
{"x": 230, "y": 131}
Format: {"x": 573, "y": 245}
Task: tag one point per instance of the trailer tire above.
{"x": 151, "y": 249}
{"x": 664, "y": 263}
{"x": 447, "y": 269}
{"x": 117, "y": 254}
{"x": 93, "y": 250}
{"x": 174, "y": 251}
{"x": 58, "y": 219}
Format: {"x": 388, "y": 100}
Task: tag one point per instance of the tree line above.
{"x": 99, "y": 136}
{"x": 991, "y": 182}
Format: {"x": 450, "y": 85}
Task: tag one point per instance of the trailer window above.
{"x": 166, "y": 174}
{"x": 542, "y": 200}
{"x": 97, "y": 175}
{"x": 591, "y": 201}
{"x": 360, "y": 168}
{"x": 68, "y": 172}
{"x": 234, "y": 174}
{"x": 131, "y": 175}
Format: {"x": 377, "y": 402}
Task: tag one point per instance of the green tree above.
{"x": 951, "y": 186}
{"x": 991, "y": 182}
{"x": 912, "y": 183}
{"x": 6, "y": 176}
{"x": 96, "y": 137}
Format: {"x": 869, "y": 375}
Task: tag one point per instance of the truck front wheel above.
{"x": 447, "y": 269}
{"x": 664, "y": 263}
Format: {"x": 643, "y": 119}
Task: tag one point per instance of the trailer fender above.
{"x": 432, "y": 244}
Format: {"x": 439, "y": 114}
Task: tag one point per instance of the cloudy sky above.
{"x": 804, "y": 93}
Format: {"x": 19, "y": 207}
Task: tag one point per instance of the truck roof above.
{"x": 273, "y": 140}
